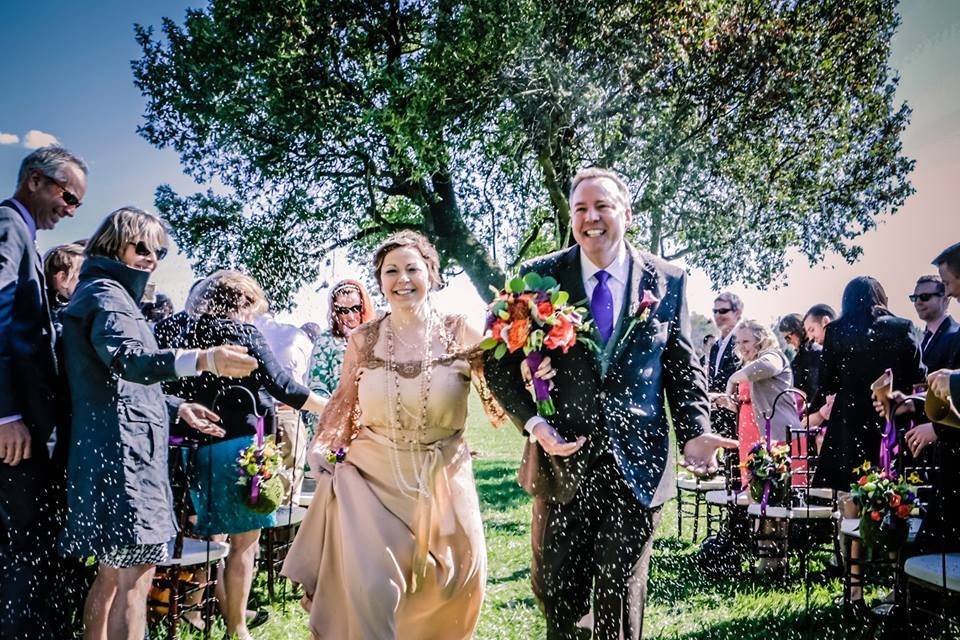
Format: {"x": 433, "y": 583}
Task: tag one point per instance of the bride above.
{"x": 392, "y": 545}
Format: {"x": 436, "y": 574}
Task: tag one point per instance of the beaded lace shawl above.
{"x": 339, "y": 421}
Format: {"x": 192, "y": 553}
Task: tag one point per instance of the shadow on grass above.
{"x": 516, "y": 575}
{"x": 507, "y": 528}
{"x": 497, "y": 486}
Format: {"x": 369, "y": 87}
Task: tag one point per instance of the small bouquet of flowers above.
{"x": 259, "y": 468}
{"x": 769, "y": 469}
{"x": 885, "y": 502}
{"x": 532, "y": 313}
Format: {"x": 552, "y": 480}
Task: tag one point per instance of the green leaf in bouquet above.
{"x": 533, "y": 281}
{"x": 498, "y": 306}
{"x": 548, "y": 282}
{"x": 527, "y": 348}
{"x": 489, "y": 343}
{"x": 536, "y": 339}
{"x": 559, "y": 298}
{"x": 516, "y": 285}
{"x": 500, "y": 351}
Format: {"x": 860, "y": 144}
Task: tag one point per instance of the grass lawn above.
{"x": 682, "y": 603}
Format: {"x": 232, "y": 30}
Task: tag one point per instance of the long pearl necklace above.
{"x": 395, "y": 405}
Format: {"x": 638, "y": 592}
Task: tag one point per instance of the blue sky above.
{"x": 70, "y": 77}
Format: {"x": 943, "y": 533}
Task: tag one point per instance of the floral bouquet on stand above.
{"x": 769, "y": 470}
{"x": 532, "y": 313}
{"x": 885, "y": 502}
{"x": 259, "y": 468}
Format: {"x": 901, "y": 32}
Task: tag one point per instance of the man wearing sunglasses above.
{"x": 723, "y": 362}
{"x": 50, "y": 186}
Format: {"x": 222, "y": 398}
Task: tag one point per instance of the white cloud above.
{"x": 36, "y": 139}
{"x": 8, "y": 138}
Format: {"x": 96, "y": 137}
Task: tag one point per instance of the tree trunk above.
{"x": 454, "y": 241}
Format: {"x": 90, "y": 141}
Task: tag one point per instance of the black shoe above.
{"x": 259, "y": 618}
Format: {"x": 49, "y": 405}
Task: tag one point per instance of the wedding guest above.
{"x": 120, "y": 503}
{"x": 808, "y": 361}
{"x": 312, "y": 329}
{"x": 61, "y": 270}
{"x": 727, "y": 311}
{"x": 708, "y": 341}
{"x": 223, "y": 307}
{"x": 858, "y": 347}
{"x": 291, "y": 347}
{"x": 51, "y": 184}
{"x": 349, "y": 307}
{"x": 767, "y": 373}
{"x": 392, "y": 543}
{"x": 815, "y": 322}
{"x": 158, "y": 310}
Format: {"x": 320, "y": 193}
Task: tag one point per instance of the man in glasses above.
{"x": 50, "y": 186}
{"x": 723, "y": 362}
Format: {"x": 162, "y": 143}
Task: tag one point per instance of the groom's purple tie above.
{"x": 601, "y": 306}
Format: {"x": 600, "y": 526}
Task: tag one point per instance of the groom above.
{"x": 602, "y": 466}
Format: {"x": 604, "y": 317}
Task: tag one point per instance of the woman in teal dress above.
{"x": 219, "y": 311}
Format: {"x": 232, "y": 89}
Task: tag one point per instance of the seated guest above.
{"x": 221, "y": 307}
{"x": 61, "y": 269}
{"x": 119, "y": 497}
{"x": 766, "y": 373}
{"x": 808, "y": 359}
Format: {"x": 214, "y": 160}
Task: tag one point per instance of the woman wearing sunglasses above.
{"x": 118, "y": 492}
{"x": 350, "y": 307}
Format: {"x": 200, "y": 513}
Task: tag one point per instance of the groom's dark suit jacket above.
{"x": 616, "y": 396}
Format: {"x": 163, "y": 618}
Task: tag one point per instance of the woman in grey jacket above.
{"x": 118, "y": 491}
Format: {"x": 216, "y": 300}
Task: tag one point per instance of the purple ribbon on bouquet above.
{"x": 541, "y": 388}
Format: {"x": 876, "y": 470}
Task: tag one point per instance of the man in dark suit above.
{"x": 50, "y": 185}
{"x": 601, "y": 467}
{"x": 723, "y": 361}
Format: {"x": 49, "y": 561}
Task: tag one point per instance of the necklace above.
{"x": 395, "y": 405}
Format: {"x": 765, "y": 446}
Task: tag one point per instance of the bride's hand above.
{"x": 317, "y": 459}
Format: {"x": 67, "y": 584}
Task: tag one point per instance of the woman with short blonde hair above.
{"x": 120, "y": 506}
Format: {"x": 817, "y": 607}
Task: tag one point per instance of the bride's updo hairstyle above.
{"x": 413, "y": 240}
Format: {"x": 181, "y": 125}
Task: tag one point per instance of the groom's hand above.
{"x": 553, "y": 443}
{"x": 700, "y": 453}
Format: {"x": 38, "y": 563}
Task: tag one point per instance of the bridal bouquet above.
{"x": 532, "y": 313}
{"x": 258, "y": 468}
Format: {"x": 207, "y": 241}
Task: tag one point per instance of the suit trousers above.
{"x": 599, "y": 543}
{"x": 27, "y": 551}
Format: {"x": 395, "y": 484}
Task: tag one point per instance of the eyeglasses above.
{"x": 722, "y": 312}
{"x": 342, "y": 311}
{"x": 68, "y": 197}
{"x": 142, "y": 249}
{"x": 924, "y": 297}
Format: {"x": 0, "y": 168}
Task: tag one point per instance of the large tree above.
{"x": 744, "y": 128}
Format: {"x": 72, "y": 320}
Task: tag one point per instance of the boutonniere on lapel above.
{"x": 646, "y": 306}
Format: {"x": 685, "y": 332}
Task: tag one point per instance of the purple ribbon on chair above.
{"x": 255, "y": 480}
{"x": 767, "y": 484}
{"x": 887, "y": 444}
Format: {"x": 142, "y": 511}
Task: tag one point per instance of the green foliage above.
{"x": 743, "y": 129}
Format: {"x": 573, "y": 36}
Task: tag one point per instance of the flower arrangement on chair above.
{"x": 769, "y": 471}
{"x": 886, "y": 501}
{"x": 259, "y": 468}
